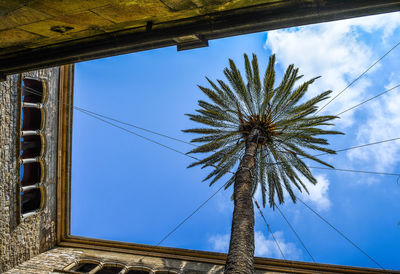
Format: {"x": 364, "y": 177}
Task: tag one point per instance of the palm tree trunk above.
{"x": 241, "y": 247}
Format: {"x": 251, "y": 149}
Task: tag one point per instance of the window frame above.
{"x": 19, "y": 143}
{"x": 125, "y": 267}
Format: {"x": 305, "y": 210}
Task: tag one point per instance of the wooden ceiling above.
{"x": 42, "y": 33}
{"x": 32, "y": 24}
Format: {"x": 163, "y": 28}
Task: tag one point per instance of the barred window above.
{"x": 30, "y": 199}
{"x": 32, "y": 145}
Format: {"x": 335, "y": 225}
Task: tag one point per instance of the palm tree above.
{"x": 269, "y": 129}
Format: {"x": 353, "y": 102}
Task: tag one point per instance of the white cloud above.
{"x": 220, "y": 243}
{"x": 318, "y": 193}
{"x": 386, "y": 22}
{"x": 264, "y": 247}
{"x": 383, "y": 122}
{"x": 336, "y": 51}
{"x": 224, "y": 202}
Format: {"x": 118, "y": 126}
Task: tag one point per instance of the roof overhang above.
{"x": 193, "y": 28}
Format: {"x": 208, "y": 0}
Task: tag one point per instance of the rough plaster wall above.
{"x": 35, "y": 233}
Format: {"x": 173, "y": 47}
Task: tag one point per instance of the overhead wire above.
{"x": 346, "y": 149}
{"x": 94, "y": 114}
{"x": 350, "y": 84}
{"x": 182, "y": 141}
{"x": 369, "y": 99}
{"x": 195, "y": 158}
{"x": 233, "y": 173}
{"x": 135, "y": 126}
{"x": 197, "y": 209}
{"x": 356, "y": 171}
{"x": 262, "y": 215}
{"x": 357, "y": 78}
{"x": 295, "y": 233}
{"x": 190, "y": 215}
{"x": 360, "y": 146}
{"x": 340, "y": 233}
{"x": 138, "y": 135}
{"x": 269, "y": 229}
{"x": 360, "y": 171}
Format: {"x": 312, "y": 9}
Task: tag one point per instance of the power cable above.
{"x": 269, "y": 229}
{"x": 353, "y": 107}
{"x": 363, "y": 102}
{"x": 360, "y": 146}
{"x": 195, "y": 158}
{"x": 346, "y": 149}
{"x": 33, "y": 91}
{"x": 92, "y": 114}
{"x": 356, "y": 171}
{"x": 146, "y": 138}
{"x": 295, "y": 233}
{"x": 138, "y": 135}
{"x": 132, "y": 125}
{"x": 359, "y": 171}
{"x": 175, "y": 150}
{"x": 233, "y": 173}
{"x": 190, "y": 215}
{"x": 339, "y": 232}
{"x": 185, "y": 142}
{"x": 187, "y": 218}
{"x": 182, "y": 141}
{"x": 356, "y": 79}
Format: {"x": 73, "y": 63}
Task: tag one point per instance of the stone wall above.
{"x": 34, "y": 234}
{"x": 45, "y": 262}
{"x": 59, "y": 258}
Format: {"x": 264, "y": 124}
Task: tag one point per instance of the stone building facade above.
{"x": 26, "y": 235}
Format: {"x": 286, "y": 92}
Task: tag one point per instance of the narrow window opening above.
{"x": 84, "y": 267}
{"x": 31, "y": 166}
{"x": 31, "y": 118}
{"x": 137, "y": 272}
{"x": 31, "y": 146}
{"x": 32, "y": 91}
{"x": 110, "y": 270}
{"x": 30, "y": 200}
{"x": 30, "y": 173}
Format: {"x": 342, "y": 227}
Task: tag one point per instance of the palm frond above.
{"x": 235, "y": 79}
{"x": 268, "y": 88}
{"x": 286, "y": 129}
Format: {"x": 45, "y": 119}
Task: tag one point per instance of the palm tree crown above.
{"x": 281, "y": 124}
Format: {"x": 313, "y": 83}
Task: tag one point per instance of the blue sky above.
{"x": 127, "y": 189}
